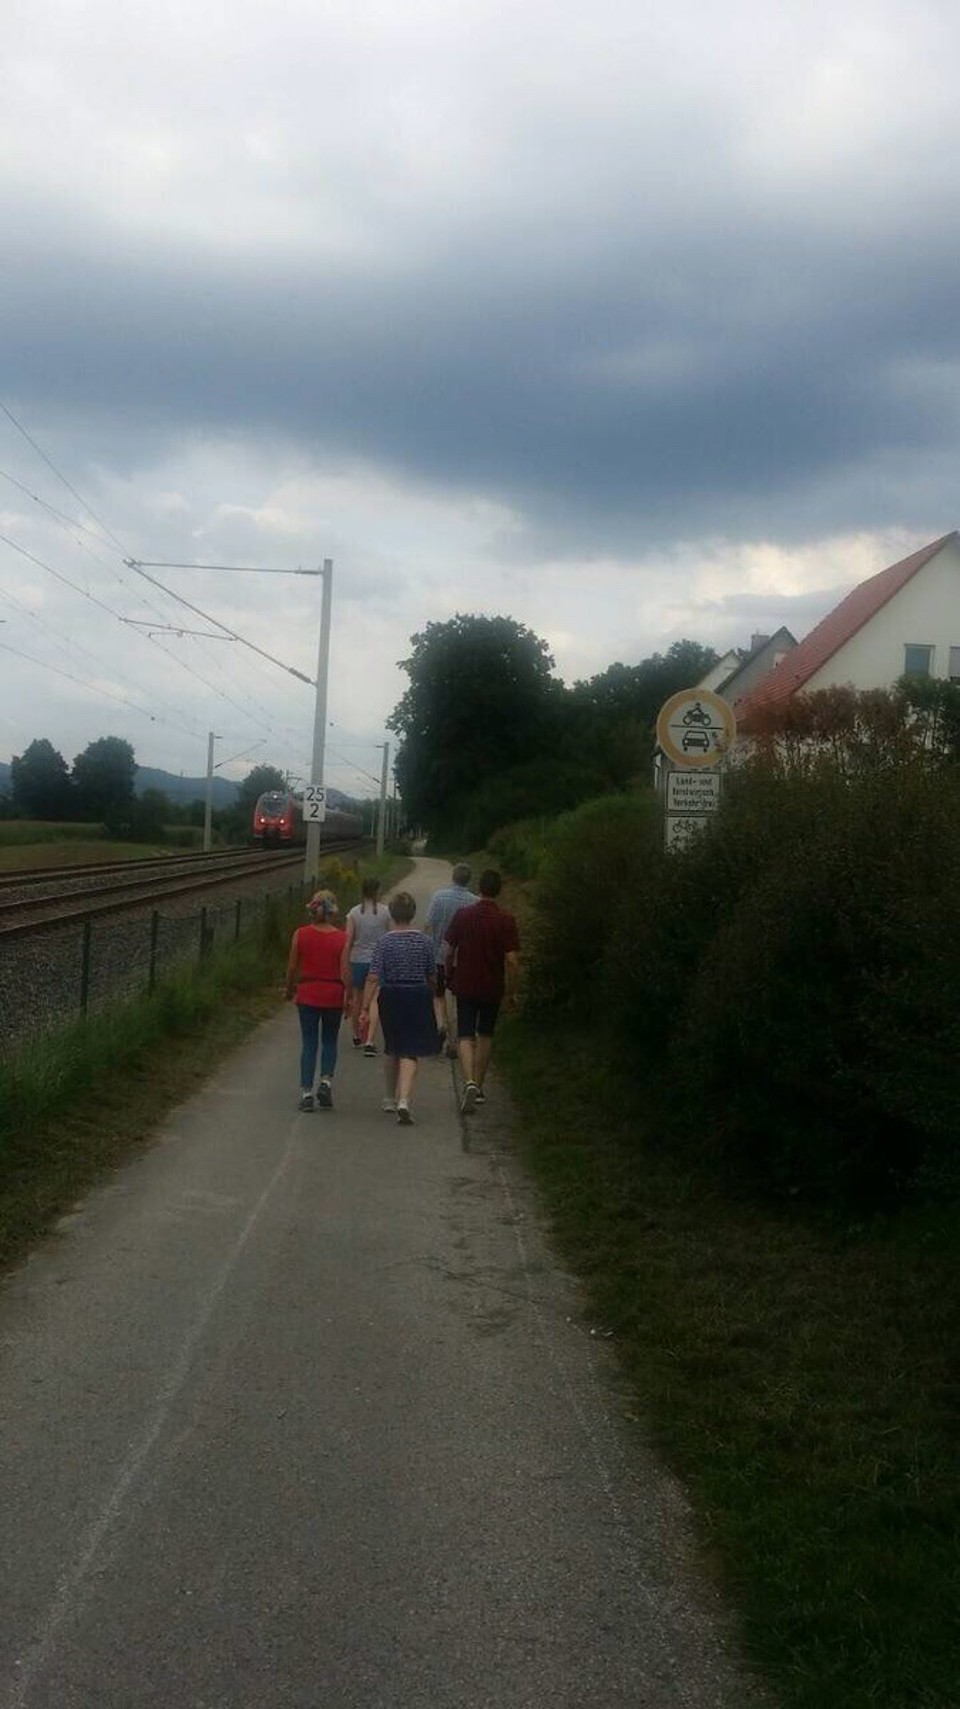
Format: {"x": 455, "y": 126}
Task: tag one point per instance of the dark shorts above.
{"x": 358, "y": 974}
{"x": 443, "y": 984}
{"x": 476, "y": 1019}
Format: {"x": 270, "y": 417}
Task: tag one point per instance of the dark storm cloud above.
{"x": 697, "y": 373}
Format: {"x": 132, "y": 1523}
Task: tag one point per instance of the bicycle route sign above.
{"x": 696, "y": 728}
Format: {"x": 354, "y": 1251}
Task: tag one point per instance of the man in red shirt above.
{"x": 485, "y": 956}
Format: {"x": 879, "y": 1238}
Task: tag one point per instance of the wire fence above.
{"x": 53, "y": 978}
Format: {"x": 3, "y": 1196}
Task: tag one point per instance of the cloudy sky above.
{"x": 632, "y": 322}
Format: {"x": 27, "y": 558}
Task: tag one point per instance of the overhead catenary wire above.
{"x": 133, "y": 564}
{"x": 66, "y": 644}
{"x": 62, "y": 477}
{"x": 107, "y": 536}
{"x": 92, "y": 688}
{"x": 114, "y": 539}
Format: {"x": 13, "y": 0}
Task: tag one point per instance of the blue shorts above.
{"x": 358, "y": 974}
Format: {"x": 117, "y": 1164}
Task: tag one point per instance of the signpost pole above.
{"x": 312, "y": 856}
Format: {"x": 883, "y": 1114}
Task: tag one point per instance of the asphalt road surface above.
{"x": 298, "y": 1410}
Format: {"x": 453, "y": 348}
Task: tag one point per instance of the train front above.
{"x": 275, "y": 819}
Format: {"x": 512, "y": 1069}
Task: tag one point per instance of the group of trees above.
{"x": 98, "y": 786}
{"x": 488, "y": 734}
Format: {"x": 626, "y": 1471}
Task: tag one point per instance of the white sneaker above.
{"x": 403, "y": 1114}
{"x": 306, "y": 1101}
{"x": 469, "y": 1100}
{"x": 389, "y": 1106}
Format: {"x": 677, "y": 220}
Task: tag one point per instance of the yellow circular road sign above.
{"x": 696, "y": 727}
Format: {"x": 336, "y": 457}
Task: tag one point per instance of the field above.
{"x": 26, "y": 844}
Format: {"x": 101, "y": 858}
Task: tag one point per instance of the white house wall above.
{"x": 926, "y": 612}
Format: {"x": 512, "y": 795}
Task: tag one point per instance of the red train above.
{"x": 278, "y": 820}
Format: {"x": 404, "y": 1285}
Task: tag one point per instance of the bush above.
{"x": 598, "y": 856}
{"x": 535, "y": 788}
{"x": 791, "y": 980}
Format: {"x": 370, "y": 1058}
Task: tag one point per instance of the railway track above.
{"x": 144, "y": 863}
{"x": 125, "y": 890}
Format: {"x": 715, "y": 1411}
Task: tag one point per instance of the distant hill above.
{"x": 194, "y": 788}
{"x": 181, "y": 789}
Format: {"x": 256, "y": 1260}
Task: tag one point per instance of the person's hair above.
{"x": 369, "y": 893}
{"x": 490, "y": 882}
{"x": 402, "y": 907}
{"x": 461, "y": 873}
{"x": 323, "y": 905}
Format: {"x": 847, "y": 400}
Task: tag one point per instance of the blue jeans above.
{"x": 326, "y": 1023}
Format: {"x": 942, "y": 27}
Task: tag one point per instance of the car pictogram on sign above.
{"x": 695, "y": 739}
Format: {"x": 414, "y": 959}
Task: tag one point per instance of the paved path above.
{"x": 297, "y": 1410}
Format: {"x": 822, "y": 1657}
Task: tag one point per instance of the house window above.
{"x": 917, "y": 661}
{"x": 955, "y": 664}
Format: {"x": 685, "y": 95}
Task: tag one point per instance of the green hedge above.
{"x": 787, "y": 985}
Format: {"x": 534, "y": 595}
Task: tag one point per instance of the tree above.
{"x": 609, "y": 720}
{"x": 103, "y": 777}
{"x": 481, "y": 698}
{"x": 256, "y": 783}
{"x": 39, "y": 782}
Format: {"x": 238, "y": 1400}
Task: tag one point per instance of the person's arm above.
{"x": 293, "y": 968}
{"x": 511, "y": 975}
{"x": 372, "y": 982}
{"x": 345, "y": 958}
{"x": 430, "y": 966}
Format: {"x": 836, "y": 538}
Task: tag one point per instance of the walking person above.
{"x": 443, "y": 905}
{"x": 314, "y": 980}
{"x": 402, "y": 973}
{"x": 485, "y": 945}
{"x": 366, "y": 923}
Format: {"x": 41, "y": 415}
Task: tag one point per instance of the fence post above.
{"x": 85, "y": 966}
{"x": 154, "y": 935}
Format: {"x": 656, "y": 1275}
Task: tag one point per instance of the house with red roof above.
{"x": 904, "y": 621}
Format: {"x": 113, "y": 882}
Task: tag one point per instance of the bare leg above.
{"x": 467, "y": 1057}
{"x": 373, "y": 1019}
{"x": 406, "y": 1074}
{"x": 481, "y": 1057}
{"x": 391, "y": 1065}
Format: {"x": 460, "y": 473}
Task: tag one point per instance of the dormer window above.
{"x": 917, "y": 659}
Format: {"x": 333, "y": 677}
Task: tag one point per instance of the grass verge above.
{"x": 800, "y": 1379}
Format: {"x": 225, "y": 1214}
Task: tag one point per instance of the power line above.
{"x": 133, "y": 564}
{"x": 69, "y": 522}
{"x": 61, "y": 477}
{"x": 154, "y": 717}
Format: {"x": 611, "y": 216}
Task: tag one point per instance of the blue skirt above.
{"x": 407, "y": 1019}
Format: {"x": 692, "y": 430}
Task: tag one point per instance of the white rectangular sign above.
{"x": 314, "y": 803}
{"x": 681, "y": 828}
{"x": 693, "y": 791}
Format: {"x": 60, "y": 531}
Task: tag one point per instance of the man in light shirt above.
{"x": 444, "y": 904}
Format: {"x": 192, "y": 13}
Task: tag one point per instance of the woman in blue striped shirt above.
{"x": 403, "y": 976}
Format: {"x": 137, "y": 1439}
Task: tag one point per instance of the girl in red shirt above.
{"x": 314, "y": 981}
